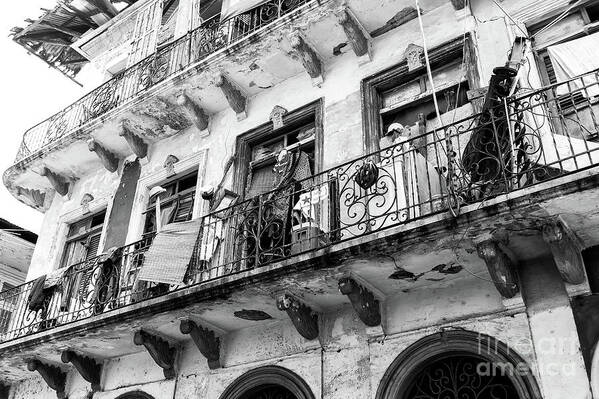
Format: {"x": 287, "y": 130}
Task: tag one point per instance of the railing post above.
{"x": 259, "y": 229}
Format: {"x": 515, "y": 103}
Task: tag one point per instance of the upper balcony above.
{"x": 184, "y": 82}
{"x": 459, "y": 203}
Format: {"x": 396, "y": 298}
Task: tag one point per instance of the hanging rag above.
{"x": 37, "y": 295}
{"x": 574, "y": 58}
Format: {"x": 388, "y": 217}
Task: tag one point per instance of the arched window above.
{"x": 270, "y": 382}
{"x": 458, "y": 364}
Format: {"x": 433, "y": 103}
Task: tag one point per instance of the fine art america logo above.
{"x": 556, "y": 354}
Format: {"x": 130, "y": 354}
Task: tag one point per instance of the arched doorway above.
{"x": 269, "y": 392}
{"x": 135, "y": 395}
{"x": 270, "y": 382}
{"x": 458, "y": 365}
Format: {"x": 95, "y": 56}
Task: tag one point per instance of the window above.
{"x": 176, "y": 202}
{"x": 398, "y": 95}
{"x": 298, "y": 138}
{"x": 12, "y": 298}
{"x": 168, "y": 22}
{"x": 83, "y": 239}
{"x": 403, "y": 104}
{"x": 257, "y": 150}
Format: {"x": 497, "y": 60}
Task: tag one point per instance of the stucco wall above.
{"x": 348, "y": 362}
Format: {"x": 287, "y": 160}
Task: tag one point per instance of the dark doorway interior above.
{"x": 269, "y": 392}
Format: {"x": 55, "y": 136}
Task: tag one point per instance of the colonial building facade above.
{"x": 310, "y": 199}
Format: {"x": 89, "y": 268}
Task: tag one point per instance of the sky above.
{"x": 31, "y": 92}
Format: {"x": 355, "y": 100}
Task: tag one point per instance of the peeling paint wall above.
{"x": 348, "y": 361}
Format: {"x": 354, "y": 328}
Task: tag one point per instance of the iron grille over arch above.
{"x": 450, "y": 359}
{"x": 264, "y": 380}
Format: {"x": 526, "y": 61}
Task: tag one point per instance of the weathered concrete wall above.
{"x": 348, "y": 362}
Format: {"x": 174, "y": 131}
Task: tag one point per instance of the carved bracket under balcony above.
{"x": 59, "y": 183}
{"x": 87, "y": 367}
{"x": 34, "y": 198}
{"x": 308, "y": 57}
{"x": 160, "y": 350}
{"x": 363, "y": 301}
{"x": 137, "y": 145}
{"x": 566, "y": 250}
{"x": 54, "y": 376}
{"x": 109, "y": 159}
{"x": 357, "y": 36}
{"x": 197, "y": 114}
{"x": 302, "y": 316}
{"x": 235, "y": 98}
{"x": 206, "y": 341}
{"x": 501, "y": 268}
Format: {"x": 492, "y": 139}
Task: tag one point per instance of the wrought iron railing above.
{"x": 520, "y": 141}
{"x": 168, "y": 60}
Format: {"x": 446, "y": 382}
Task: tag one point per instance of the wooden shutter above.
{"x": 145, "y": 33}
{"x": 196, "y": 18}
{"x": 184, "y": 208}
{"x": 93, "y": 243}
{"x": 565, "y": 101}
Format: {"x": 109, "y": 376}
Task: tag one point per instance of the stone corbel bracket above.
{"x": 54, "y": 376}
{"x": 237, "y": 101}
{"x": 501, "y": 267}
{"x": 364, "y": 302}
{"x": 302, "y": 316}
{"x": 308, "y": 57}
{"x": 87, "y": 367}
{"x": 357, "y": 36}
{"x": 206, "y": 341}
{"x": 160, "y": 350}
{"x": 109, "y": 159}
{"x": 197, "y": 114}
{"x": 34, "y": 198}
{"x": 60, "y": 183}
{"x": 566, "y": 250}
{"x": 136, "y": 143}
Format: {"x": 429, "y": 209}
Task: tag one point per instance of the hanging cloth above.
{"x": 37, "y": 295}
{"x": 170, "y": 254}
{"x": 574, "y": 58}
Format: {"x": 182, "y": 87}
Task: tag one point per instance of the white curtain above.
{"x": 232, "y": 8}
{"x": 574, "y": 58}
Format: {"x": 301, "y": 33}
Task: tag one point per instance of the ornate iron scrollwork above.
{"x": 461, "y": 377}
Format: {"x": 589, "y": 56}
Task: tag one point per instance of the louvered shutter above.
{"x": 196, "y": 19}
{"x": 93, "y": 244}
{"x": 565, "y": 101}
{"x": 184, "y": 208}
{"x": 145, "y": 33}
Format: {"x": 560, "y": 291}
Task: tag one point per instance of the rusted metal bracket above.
{"x": 500, "y": 266}
{"x": 54, "y": 376}
{"x": 302, "y": 316}
{"x": 566, "y": 250}
{"x": 364, "y": 302}
{"x": 206, "y": 341}
{"x": 87, "y": 367}
{"x": 160, "y": 350}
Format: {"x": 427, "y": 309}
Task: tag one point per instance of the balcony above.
{"x": 166, "y": 62}
{"x": 507, "y": 168}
